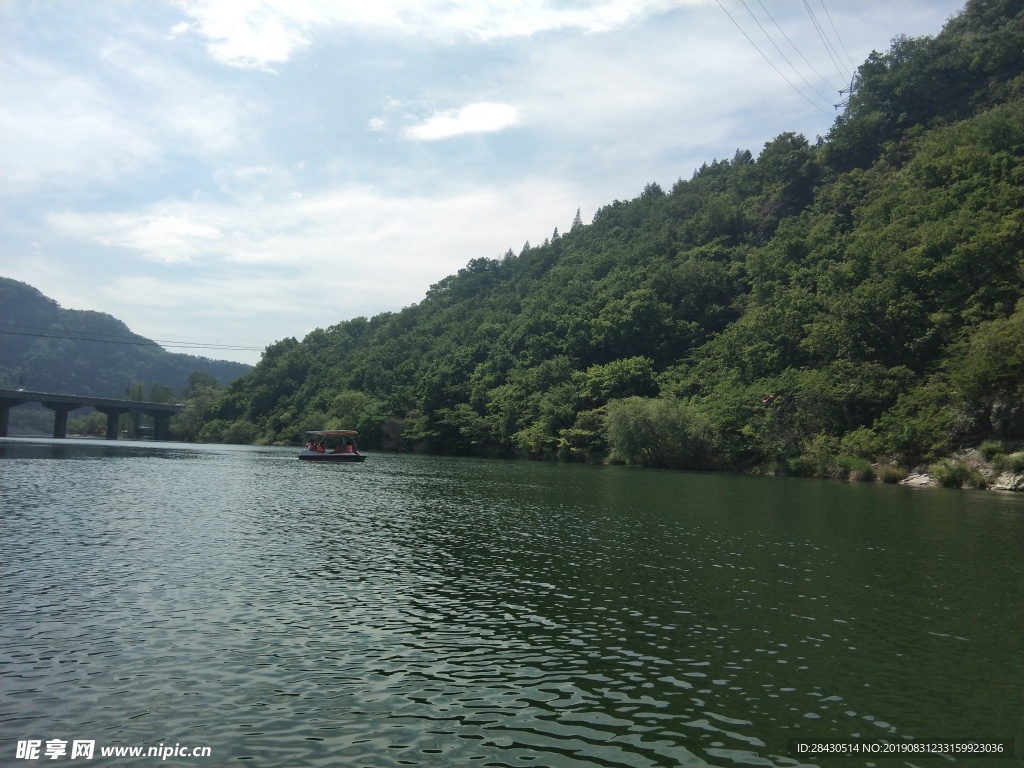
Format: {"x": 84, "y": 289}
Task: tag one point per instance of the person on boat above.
{"x": 319, "y": 448}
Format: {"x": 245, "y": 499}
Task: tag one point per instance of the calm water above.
{"x": 421, "y": 611}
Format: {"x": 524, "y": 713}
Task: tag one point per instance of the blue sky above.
{"x": 234, "y": 172}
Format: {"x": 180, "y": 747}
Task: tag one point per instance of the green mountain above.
{"x": 852, "y": 298}
{"x": 47, "y": 348}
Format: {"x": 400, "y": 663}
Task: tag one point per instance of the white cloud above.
{"x": 247, "y": 274}
{"x": 117, "y": 118}
{"x": 482, "y": 117}
{"x": 176, "y": 106}
{"x": 367, "y": 227}
{"x": 58, "y": 126}
{"x": 259, "y": 33}
{"x": 246, "y": 33}
{"x": 169, "y": 234}
{"x": 380, "y": 251}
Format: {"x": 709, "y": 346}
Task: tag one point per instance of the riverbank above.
{"x": 986, "y": 467}
{"x": 980, "y": 468}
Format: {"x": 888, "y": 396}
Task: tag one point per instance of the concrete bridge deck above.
{"x": 61, "y": 404}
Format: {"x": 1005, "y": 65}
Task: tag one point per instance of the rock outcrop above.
{"x": 1008, "y": 481}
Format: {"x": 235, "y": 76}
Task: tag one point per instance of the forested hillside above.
{"x": 859, "y": 296}
{"x": 50, "y": 349}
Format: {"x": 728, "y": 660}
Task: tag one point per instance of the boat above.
{"x": 335, "y": 445}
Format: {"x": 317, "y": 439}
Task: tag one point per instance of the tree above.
{"x": 198, "y": 380}
{"x": 660, "y": 432}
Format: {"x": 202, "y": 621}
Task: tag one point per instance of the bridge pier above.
{"x": 113, "y": 417}
{"x": 161, "y": 424}
{"x": 60, "y": 417}
{"x": 6, "y": 403}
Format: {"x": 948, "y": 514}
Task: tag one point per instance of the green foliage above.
{"x": 920, "y": 427}
{"x": 890, "y": 473}
{"x": 821, "y": 458}
{"x": 990, "y": 449}
{"x": 190, "y": 423}
{"x": 1015, "y": 463}
{"x": 161, "y": 394}
{"x": 619, "y": 378}
{"x": 989, "y": 374}
{"x": 660, "y": 432}
{"x": 91, "y": 425}
{"x": 956, "y": 474}
{"x": 585, "y": 440}
{"x": 240, "y": 432}
{"x": 810, "y": 309}
{"x": 1012, "y": 463}
{"x": 200, "y": 399}
{"x": 351, "y": 409}
{"x": 855, "y": 468}
{"x": 199, "y": 381}
{"x": 212, "y": 431}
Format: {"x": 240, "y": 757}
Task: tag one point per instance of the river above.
{"x": 425, "y": 611}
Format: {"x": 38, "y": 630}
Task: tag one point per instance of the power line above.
{"x": 849, "y": 58}
{"x": 786, "y": 58}
{"x": 795, "y": 48}
{"x": 802, "y": 94}
{"x": 102, "y": 338}
{"x": 829, "y": 49}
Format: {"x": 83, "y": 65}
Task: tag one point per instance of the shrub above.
{"x": 860, "y": 442}
{"x": 977, "y": 480}
{"x": 920, "y": 425}
{"x": 801, "y": 466}
{"x": 212, "y": 431}
{"x": 956, "y": 474}
{"x": 819, "y": 455}
{"x": 890, "y": 473}
{"x": 948, "y": 473}
{"x": 240, "y": 432}
{"x": 1016, "y": 462}
{"x": 660, "y": 432}
{"x": 854, "y": 468}
{"x": 990, "y": 449}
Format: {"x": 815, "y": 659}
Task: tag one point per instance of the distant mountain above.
{"x": 48, "y": 348}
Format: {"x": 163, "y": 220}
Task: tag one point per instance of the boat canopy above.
{"x": 331, "y": 432}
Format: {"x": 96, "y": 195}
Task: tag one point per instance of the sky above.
{"x": 223, "y": 174}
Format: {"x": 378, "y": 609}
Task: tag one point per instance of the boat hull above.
{"x": 342, "y": 458}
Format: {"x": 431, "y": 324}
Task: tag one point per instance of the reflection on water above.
{"x": 88, "y": 448}
{"x": 426, "y": 611}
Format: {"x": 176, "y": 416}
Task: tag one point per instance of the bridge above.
{"x": 61, "y": 404}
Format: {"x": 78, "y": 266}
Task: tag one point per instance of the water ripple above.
{"x": 416, "y": 611}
